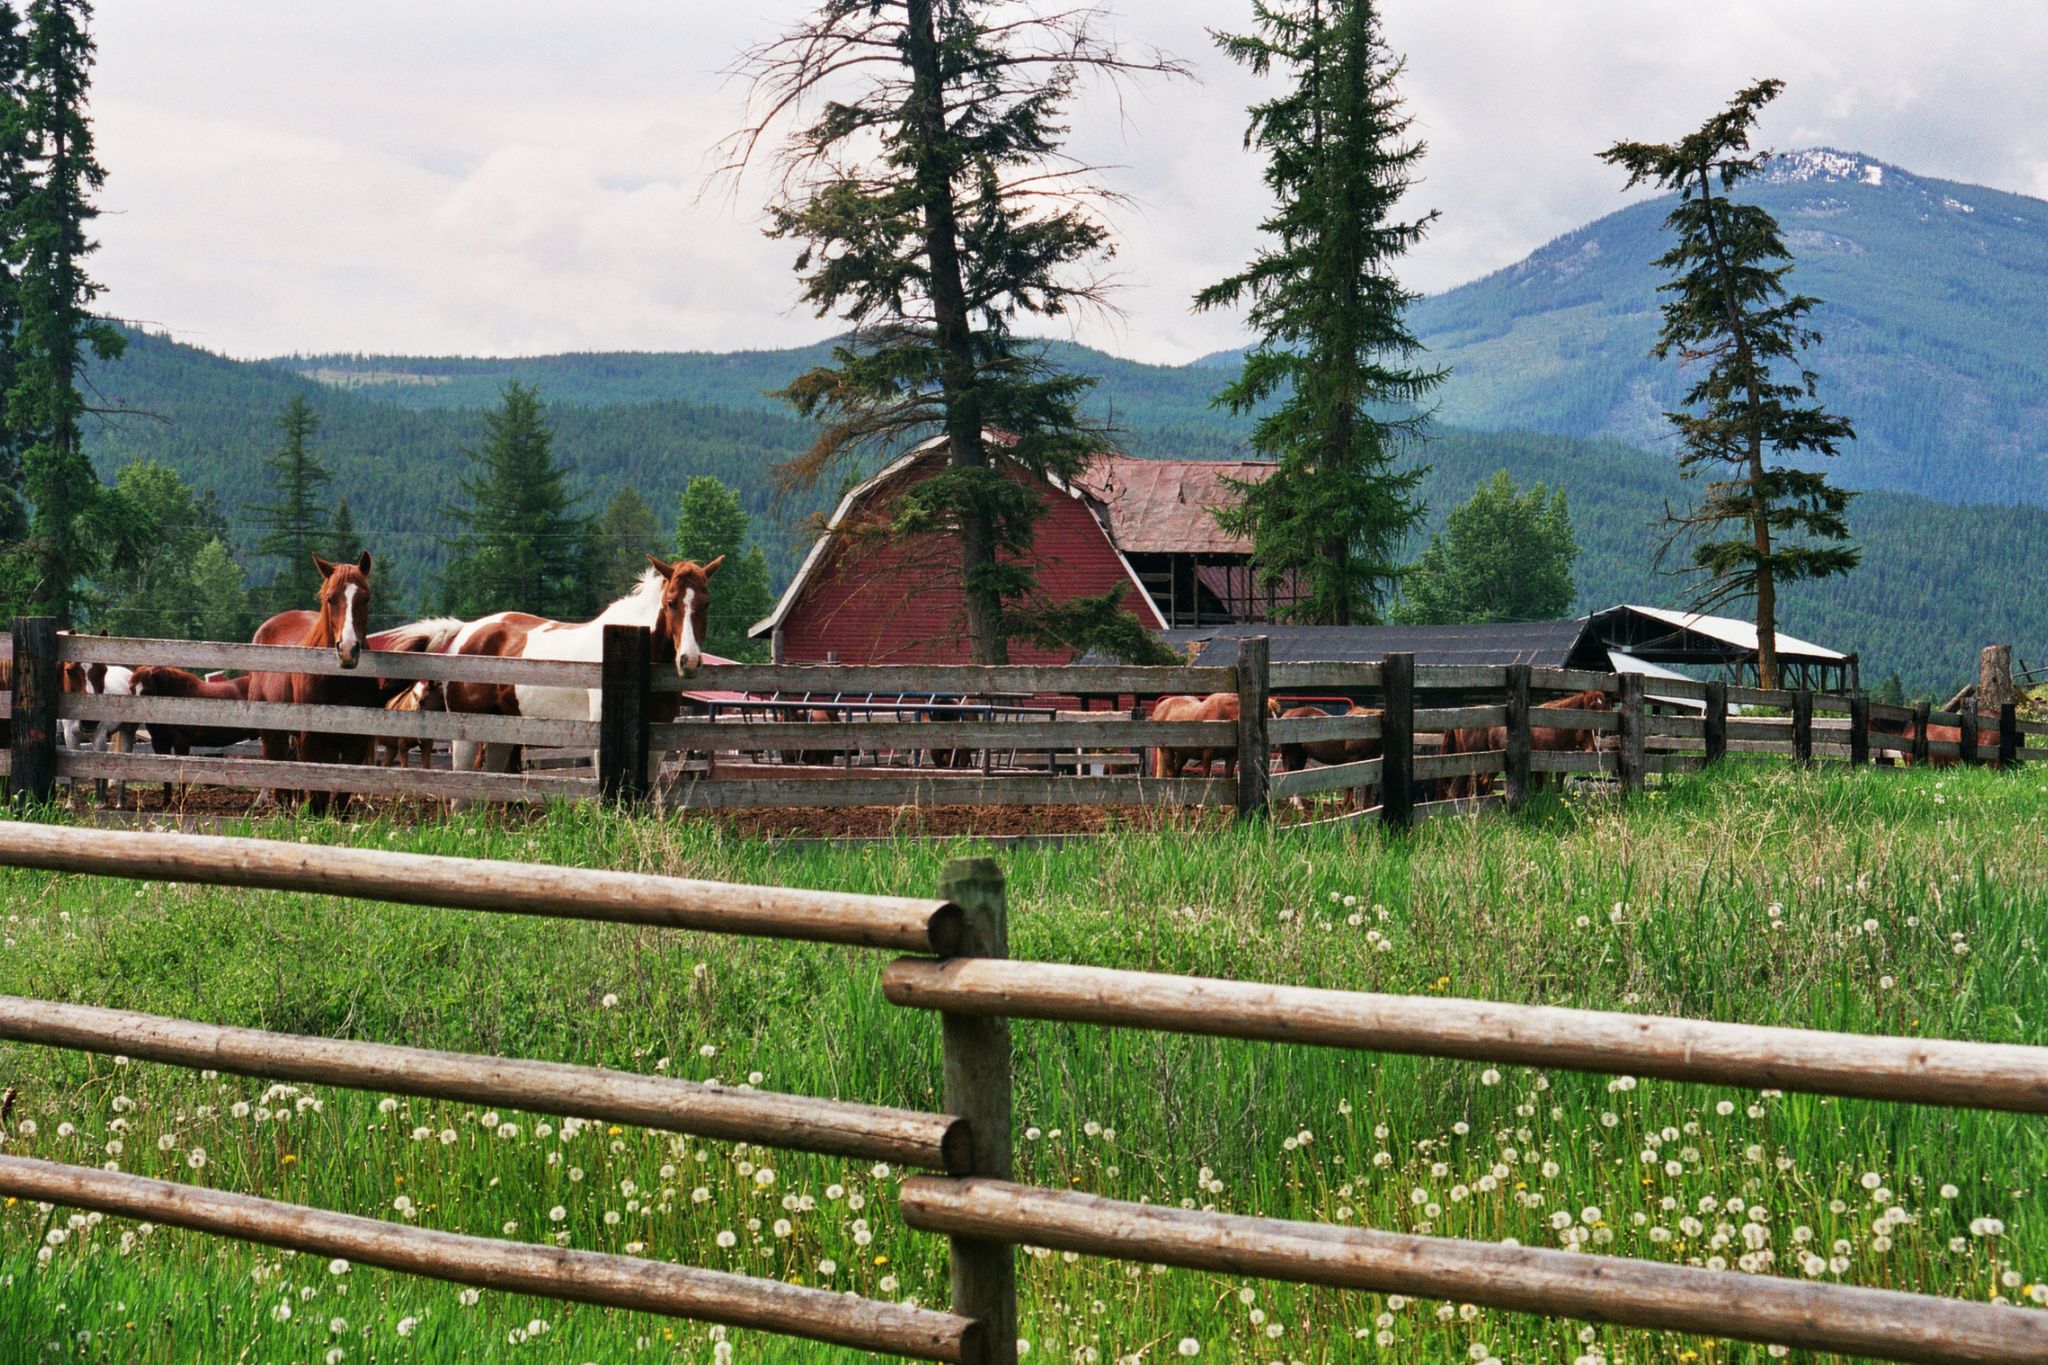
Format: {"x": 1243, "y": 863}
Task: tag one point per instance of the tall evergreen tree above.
{"x": 15, "y": 145}
{"x": 55, "y": 330}
{"x": 295, "y": 527}
{"x": 343, "y": 542}
{"x": 627, "y": 534}
{"x": 710, "y": 522}
{"x": 1755, "y": 404}
{"x": 1506, "y": 555}
{"x": 1334, "y": 349}
{"x": 522, "y": 545}
{"x": 934, "y": 206}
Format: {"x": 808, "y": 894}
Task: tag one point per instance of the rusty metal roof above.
{"x": 1166, "y": 506}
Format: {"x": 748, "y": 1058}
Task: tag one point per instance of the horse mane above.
{"x": 641, "y": 606}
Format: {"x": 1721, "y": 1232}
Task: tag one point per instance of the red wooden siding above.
{"x": 876, "y": 600}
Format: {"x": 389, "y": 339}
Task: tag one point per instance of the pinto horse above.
{"x": 671, "y": 600}
{"x": 1548, "y": 739}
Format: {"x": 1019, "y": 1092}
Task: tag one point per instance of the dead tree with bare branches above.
{"x": 916, "y": 147}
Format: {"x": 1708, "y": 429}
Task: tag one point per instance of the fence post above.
{"x": 1918, "y": 750}
{"x": 1397, "y": 740}
{"x": 1859, "y": 730}
{"x": 33, "y": 729}
{"x": 1254, "y": 754}
{"x": 622, "y": 715}
{"x": 1716, "y": 731}
{"x": 977, "y": 1088}
{"x": 1967, "y": 732}
{"x": 1802, "y": 727}
{"x": 1516, "y": 764}
{"x": 1632, "y": 718}
{"x": 2008, "y": 735}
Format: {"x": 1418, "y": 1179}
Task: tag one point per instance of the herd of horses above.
{"x": 671, "y": 601}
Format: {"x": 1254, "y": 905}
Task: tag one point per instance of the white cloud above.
{"x": 516, "y": 177}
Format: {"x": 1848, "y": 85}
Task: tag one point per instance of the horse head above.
{"x": 685, "y": 609}
{"x": 343, "y": 618}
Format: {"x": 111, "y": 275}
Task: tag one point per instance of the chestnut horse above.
{"x": 671, "y": 600}
{"x": 1216, "y": 706}
{"x": 1298, "y": 754}
{"x": 340, "y": 623}
{"x": 1547, "y": 739}
{"x": 1906, "y": 731}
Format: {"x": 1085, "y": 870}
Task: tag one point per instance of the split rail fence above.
{"x": 717, "y": 753}
{"x": 958, "y": 966}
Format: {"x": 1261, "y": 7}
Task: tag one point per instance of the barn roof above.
{"x": 1545, "y": 644}
{"x": 1660, "y": 635}
{"x": 815, "y": 558}
{"x": 1168, "y": 506}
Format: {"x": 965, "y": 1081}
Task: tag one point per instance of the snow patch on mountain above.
{"x": 1823, "y": 165}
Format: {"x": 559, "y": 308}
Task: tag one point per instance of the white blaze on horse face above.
{"x": 688, "y": 653}
{"x": 350, "y": 646}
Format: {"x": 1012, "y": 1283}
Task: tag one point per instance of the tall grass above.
{"x": 1863, "y": 901}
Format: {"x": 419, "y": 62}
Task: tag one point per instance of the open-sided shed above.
{"x": 1683, "y": 639}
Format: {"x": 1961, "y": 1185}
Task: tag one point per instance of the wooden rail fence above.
{"x": 962, "y": 971}
{"x": 951, "y": 735}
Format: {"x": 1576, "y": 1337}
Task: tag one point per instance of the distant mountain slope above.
{"x": 1934, "y": 316}
{"x": 1938, "y": 580}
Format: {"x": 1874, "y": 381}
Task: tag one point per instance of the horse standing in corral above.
{"x": 424, "y": 695}
{"x": 1542, "y": 738}
{"x": 1908, "y": 731}
{"x": 179, "y": 739}
{"x": 1171, "y": 762}
{"x": 340, "y": 623}
{"x": 1298, "y": 754}
{"x": 671, "y": 600}
{"x": 816, "y": 715}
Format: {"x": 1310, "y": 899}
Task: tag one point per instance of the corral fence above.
{"x": 958, "y": 966}
{"x": 752, "y": 736}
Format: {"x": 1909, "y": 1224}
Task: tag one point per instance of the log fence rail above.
{"x": 960, "y": 969}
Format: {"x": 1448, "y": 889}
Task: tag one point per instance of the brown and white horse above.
{"x": 671, "y": 600}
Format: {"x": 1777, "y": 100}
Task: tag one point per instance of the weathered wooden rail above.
{"x": 966, "y": 743}
{"x": 963, "y": 972}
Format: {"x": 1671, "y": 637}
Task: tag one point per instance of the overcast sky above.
{"x": 515, "y": 177}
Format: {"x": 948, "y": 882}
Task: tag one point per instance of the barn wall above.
{"x": 878, "y": 600}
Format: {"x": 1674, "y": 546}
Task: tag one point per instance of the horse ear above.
{"x": 667, "y": 570}
{"x": 712, "y": 567}
{"x": 363, "y": 564}
{"x": 323, "y": 566}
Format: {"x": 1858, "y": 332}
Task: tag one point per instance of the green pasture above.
{"x": 1869, "y": 900}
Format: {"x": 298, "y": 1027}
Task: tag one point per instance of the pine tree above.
{"x": 1335, "y": 352}
{"x": 15, "y": 143}
{"x": 1506, "y": 555}
{"x": 934, "y": 207}
{"x": 1755, "y": 405}
{"x": 343, "y": 544}
{"x": 709, "y": 523}
{"x": 297, "y": 526}
{"x": 627, "y": 535}
{"x": 522, "y": 545}
{"x": 47, "y": 241}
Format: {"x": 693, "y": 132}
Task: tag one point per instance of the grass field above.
{"x": 1866, "y": 901}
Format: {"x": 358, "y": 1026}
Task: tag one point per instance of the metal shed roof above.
{"x": 1548, "y": 644}
{"x": 1660, "y": 635}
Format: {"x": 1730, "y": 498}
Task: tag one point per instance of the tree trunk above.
{"x": 952, "y": 330}
{"x": 1994, "y": 679}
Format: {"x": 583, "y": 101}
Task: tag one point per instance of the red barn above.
{"x": 863, "y": 596}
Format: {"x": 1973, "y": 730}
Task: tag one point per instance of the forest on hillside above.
{"x": 1936, "y": 582}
